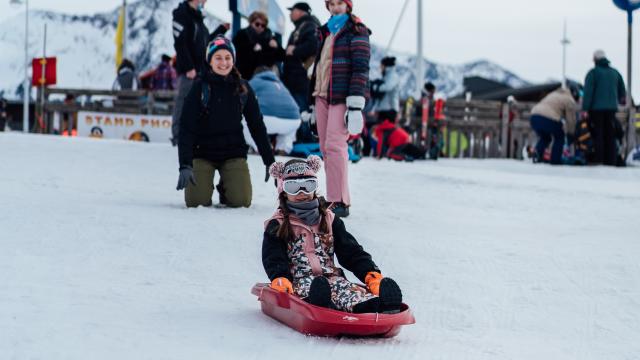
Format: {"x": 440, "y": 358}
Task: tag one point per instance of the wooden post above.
{"x": 504, "y": 123}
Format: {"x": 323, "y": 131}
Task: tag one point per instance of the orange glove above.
{"x": 372, "y": 280}
{"x": 282, "y": 284}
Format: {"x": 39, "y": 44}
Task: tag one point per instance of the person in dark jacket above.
{"x": 3, "y": 113}
{"x": 127, "y": 78}
{"x": 603, "y": 90}
{"x": 190, "y": 38}
{"x": 300, "y": 241}
{"x": 300, "y": 54}
{"x": 256, "y": 46}
{"x": 340, "y": 87}
{"x": 211, "y": 136}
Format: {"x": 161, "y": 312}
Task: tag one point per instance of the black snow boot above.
{"x": 223, "y": 198}
{"x": 390, "y": 296}
{"x": 369, "y": 306}
{"x": 340, "y": 210}
{"x": 320, "y": 293}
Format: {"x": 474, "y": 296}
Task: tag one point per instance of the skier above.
{"x": 340, "y": 85}
{"x": 211, "y": 136}
{"x": 300, "y": 241}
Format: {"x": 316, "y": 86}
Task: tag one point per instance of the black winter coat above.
{"x": 190, "y": 39}
{"x": 247, "y": 60}
{"x": 305, "y": 39}
{"x": 215, "y": 133}
{"x": 350, "y": 254}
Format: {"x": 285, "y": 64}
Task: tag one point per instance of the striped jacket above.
{"x": 350, "y": 61}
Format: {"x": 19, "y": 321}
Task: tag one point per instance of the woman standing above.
{"x": 211, "y": 136}
{"x": 340, "y": 85}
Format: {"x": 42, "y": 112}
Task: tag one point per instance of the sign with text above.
{"x": 146, "y": 128}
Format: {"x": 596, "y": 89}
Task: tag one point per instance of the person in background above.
{"x": 281, "y": 113}
{"x": 190, "y": 37}
{"x": 388, "y": 89}
{"x": 256, "y": 45}
{"x": 385, "y": 93}
{"x": 340, "y": 87}
{"x": 127, "y": 78}
{"x": 554, "y": 117}
{"x": 164, "y": 77}
{"x": 604, "y": 89}
{"x": 300, "y": 53}
{"x": 394, "y": 143}
{"x": 3, "y": 113}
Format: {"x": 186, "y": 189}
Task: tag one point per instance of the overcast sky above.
{"x": 523, "y": 36}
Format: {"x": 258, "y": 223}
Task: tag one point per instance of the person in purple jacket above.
{"x": 340, "y": 86}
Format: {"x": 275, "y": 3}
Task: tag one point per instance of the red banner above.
{"x": 49, "y": 76}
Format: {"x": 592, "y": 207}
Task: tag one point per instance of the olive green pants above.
{"x": 235, "y": 177}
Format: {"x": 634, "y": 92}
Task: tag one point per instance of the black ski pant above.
{"x": 604, "y": 139}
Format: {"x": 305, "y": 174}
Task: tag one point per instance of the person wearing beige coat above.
{"x": 554, "y": 118}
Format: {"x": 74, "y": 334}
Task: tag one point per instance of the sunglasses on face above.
{"x": 297, "y": 186}
{"x": 260, "y": 25}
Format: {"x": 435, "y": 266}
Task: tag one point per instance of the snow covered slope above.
{"x": 499, "y": 259}
{"x": 85, "y": 49}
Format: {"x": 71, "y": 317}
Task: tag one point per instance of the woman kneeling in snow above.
{"x": 299, "y": 245}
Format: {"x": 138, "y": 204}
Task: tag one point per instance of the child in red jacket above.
{"x": 395, "y": 143}
{"x": 301, "y": 239}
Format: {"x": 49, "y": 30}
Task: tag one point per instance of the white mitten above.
{"x": 353, "y": 117}
{"x": 309, "y": 116}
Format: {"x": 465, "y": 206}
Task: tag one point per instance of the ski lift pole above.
{"x": 631, "y": 113}
{"x": 420, "y": 57}
{"x": 629, "y": 6}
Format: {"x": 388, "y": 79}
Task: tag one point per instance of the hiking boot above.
{"x": 340, "y": 210}
{"x": 390, "y": 296}
{"x": 223, "y": 198}
{"x": 320, "y": 293}
{"x": 369, "y": 306}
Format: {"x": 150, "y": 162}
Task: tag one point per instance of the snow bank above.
{"x": 499, "y": 259}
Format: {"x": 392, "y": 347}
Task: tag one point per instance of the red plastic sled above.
{"x": 313, "y": 320}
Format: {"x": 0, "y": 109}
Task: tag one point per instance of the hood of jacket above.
{"x": 603, "y": 62}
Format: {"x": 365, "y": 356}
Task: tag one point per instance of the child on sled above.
{"x": 300, "y": 241}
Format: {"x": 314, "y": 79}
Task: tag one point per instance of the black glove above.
{"x": 267, "y": 175}
{"x": 186, "y": 176}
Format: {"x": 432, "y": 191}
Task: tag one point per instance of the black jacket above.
{"x": 215, "y": 133}
{"x": 305, "y": 39}
{"x": 247, "y": 60}
{"x": 190, "y": 38}
{"x": 350, "y": 254}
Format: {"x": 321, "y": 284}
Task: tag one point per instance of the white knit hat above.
{"x": 599, "y": 55}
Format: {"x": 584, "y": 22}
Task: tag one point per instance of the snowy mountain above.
{"x": 447, "y": 78}
{"x": 85, "y": 45}
{"x": 85, "y": 49}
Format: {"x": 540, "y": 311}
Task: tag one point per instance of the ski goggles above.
{"x": 297, "y": 186}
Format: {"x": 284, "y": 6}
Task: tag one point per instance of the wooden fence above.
{"x": 471, "y": 129}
